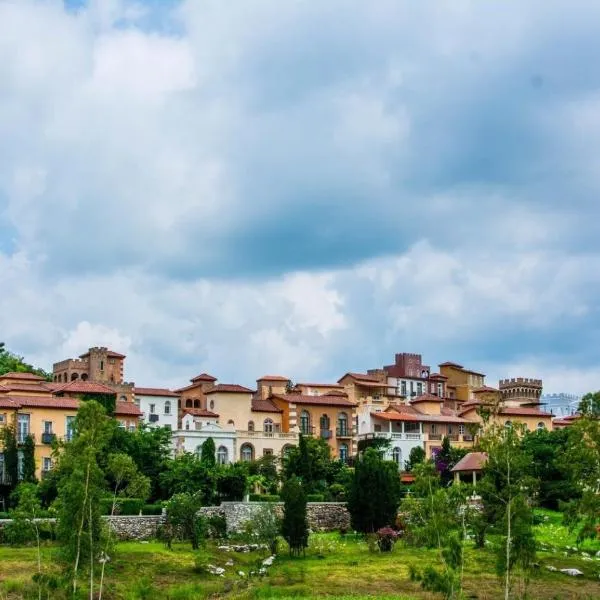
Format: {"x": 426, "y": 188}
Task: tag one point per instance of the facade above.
{"x": 520, "y": 391}
{"x": 159, "y": 407}
{"x": 197, "y": 429}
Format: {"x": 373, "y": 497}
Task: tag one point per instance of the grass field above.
{"x": 335, "y": 567}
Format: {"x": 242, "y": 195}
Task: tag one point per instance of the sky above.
{"x": 302, "y": 188}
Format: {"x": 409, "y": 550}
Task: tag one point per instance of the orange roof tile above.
{"x": 41, "y": 402}
{"x": 426, "y": 398}
{"x": 203, "y": 377}
{"x": 155, "y": 392}
{"x": 127, "y": 408}
{"x": 473, "y": 461}
{"x": 484, "y": 388}
{"x": 230, "y": 388}
{"x": 110, "y": 354}
{"x": 260, "y": 405}
{"x": 322, "y": 385}
{"x": 25, "y": 387}
{"x": 324, "y": 400}
{"x": 17, "y": 375}
{"x": 524, "y": 411}
{"x": 199, "y": 412}
{"x": 273, "y": 378}
{"x": 84, "y": 387}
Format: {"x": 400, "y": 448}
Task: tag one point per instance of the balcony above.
{"x": 434, "y": 437}
{"x": 153, "y": 418}
{"x": 48, "y": 438}
{"x": 453, "y": 437}
{"x": 343, "y": 432}
{"x": 23, "y": 435}
{"x": 326, "y": 434}
{"x": 407, "y": 437}
{"x": 307, "y": 430}
{"x": 271, "y": 435}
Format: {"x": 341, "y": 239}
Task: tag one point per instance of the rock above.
{"x": 551, "y": 568}
{"x": 572, "y": 572}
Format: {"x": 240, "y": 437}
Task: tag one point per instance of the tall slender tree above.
{"x": 294, "y": 526}
{"x": 207, "y": 456}
{"x": 28, "y": 475}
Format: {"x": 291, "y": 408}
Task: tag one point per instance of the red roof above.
{"x": 322, "y": 385}
{"x": 25, "y": 387}
{"x": 273, "y": 378}
{"x": 41, "y": 402}
{"x": 437, "y": 376}
{"x": 155, "y": 392}
{"x": 523, "y": 411}
{"x": 363, "y": 377}
{"x": 484, "y": 388}
{"x": 426, "y": 398}
{"x": 473, "y": 461}
{"x": 450, "y": 364}
{"x": 324, "y": 400}
{"x": 193, "y": 386}
{"x": 127, "y": 408}
{"x": 84, "y": 387}
{"x": 199, "y": 412}
{"x": 230, "y": 388}
{"x": 260, "y": 405}
{"x": 203, "y": 377}
{"x": 27, "y": 376}
{"x": 6, "y": 402}
{"x": 109, "y": 353}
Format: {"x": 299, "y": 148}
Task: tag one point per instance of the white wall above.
{"x": 145, "y": 402}
{"x": 191, "y": 440}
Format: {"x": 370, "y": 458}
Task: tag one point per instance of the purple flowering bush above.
{"x": 386, "y": 538}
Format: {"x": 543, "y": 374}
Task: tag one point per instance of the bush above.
{"x": 124, "y": 506}
{"x": 4, "y": 515}
{"x": 152, "y": 509}
{"x": 264, "y": 498}
{"x": 337, "y": 491}
{"x": 386, "y": 538}
{"x": 315, "y": 497}
{"x": 216, "y": 526}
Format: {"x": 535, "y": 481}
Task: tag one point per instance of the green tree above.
{"x": 264, "y": 527}
{"x": 11, "y": 456}
{"x": 445, "y": 460}
{"x": 183, "y": 517}
{"x": 232, "y": 482}
{"x": 310, "y": 461}
{"x": 294, "y": 526}
{"x": 374, "y": 493}
{"x": 208, "y": 456}
{"x": 10, "y": 362}
{"x": 108, "y": 401}
{"x": 81, "y": 486}
{"x": 186, "y": 473}
{"x": 415, "y": 457}
{"x": 28, "y": 475}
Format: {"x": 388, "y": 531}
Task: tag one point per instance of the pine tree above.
{"x": 207, "y": 457}
{"x": 29, "y": 460}
{"x": 294, "y": 527}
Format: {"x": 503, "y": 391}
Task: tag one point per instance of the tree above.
{"x": 208, "y": 457}
{"x": 11, "y": 456}
{"x": 264, "y": 527}
{"x": 446, "y": 458}
{"x": 415, "y": 457}
{"x": 10, "y": 362}
{"x": 310, "y": 462}
{"x": 232, "y": 482}
{"x": 182, "y": 516}
{"x": 28, "y": 475}
{"x": 80, "y": 488}
{"x": 374, "y": 493}
{"x": 294, "y": 526}
{"x": 108, "y": 401}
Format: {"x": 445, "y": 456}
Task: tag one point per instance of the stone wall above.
{"x": 322, "y": 516}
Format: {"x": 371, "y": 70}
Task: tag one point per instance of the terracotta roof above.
{"x": 155, "y": 392}
{"x": 41, "y": 402}
{"x": 450, "y": 364}
{"x": 6, "y": 402}
{"x": 484, "y": 388}
{"x": 203, "y": 377}
{"x": 322, "y": 385}
{"x": 426, "y": 398}
{"x": 523, "y": 411}
{"x": 324, "y": 400}
{"x": 17, "y": 375}
{"x": 362, "y": 377}
{"x": 437, "y": 376}
{"x": 193, "y": 386}
{"x": 410, "y": 413}
{"x": 230, "y": 388}
{"x": 260, "y": 405}
{"x": 109, "y": 353}
{"x": 274, "y": 378}
{"x": 199, "y": 412}
{"x": 84, "y": 387}
{"x": 127, "y": 408}
{"x": 25, "y": 387}
{"x": 473, "y": 461}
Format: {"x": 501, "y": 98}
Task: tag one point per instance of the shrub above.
{"x": 124, "y": 506}
{"x": 264, "y": 498}
{"x": 216, "y": 526}
{"x": 386, "y": 538}
{"x": 152, "y": 509}
{"x": 315, "y": 497}
{"x": 183, "y": 517}
{"x": 264, "y": 527}
{"x": 294, "y": 526}
{"x": 4, "y": 515}
{"x": 337, "y": 491}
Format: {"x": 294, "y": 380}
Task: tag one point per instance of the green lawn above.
{"x": 334, "y": 567}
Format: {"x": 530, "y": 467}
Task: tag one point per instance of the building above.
{"x": 193, "y": 396}
{"x": 460, "y": 382}
{"x": 520, "y": 391}
{"x": 409, "y": 378}
{"x": 98, "y": 365}
{"x": 562, "y": 404}
{"x": 159, "y": 407}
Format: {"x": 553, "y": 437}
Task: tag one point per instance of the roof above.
{"x": 25, "y": 376}
{"x": 199, "y": 412}
{"x": 324, "y": 400}
{"x": 484, "y": 388}
{"x": 450, "y": 364}
{"x": 426, "y": 398}
{"x": 155, "y": 392}
{"x": 524, "y": 412}
{"x": 322, "y": 385}
{"x": 274, "y": 378}
{"x": 230, "y": 388}
{"x": 266, "y": 405}
{"x": 40, "y": 402}
{"x": 203, "y": 377}
{"x": 403, "y": 412}
{"x": 473, "y": 461}
{"x": 127, "y": 408}
{"x": 437, "y": 376}
{"x": 109, "y": 353}
{"x": 185, "y": 388}
{"x": 360, "y": 377}
{"x": 25, "y": 387}
{"x": 6, "y": 402}
{"x": 84, "y": 387}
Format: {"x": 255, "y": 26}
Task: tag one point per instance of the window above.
{"x": 304, "y": 422}
{"x": 419, "y": 388}
{"x": 222, "y": 455}
{"x": 47, "y": 426}
{"x": 2, "y": 469}
{"x": 342, "y": 424}
{"x": 377, "y": 428}
{"x": 111, "y": 361}
{"x": 187, "y": 425}
{"x": 1, "y": 419}
{"x": 268, "y": 452}
{"x": 212, "y": 404}
{"x": 250, "y": 425}
{"x": 508, "y": 424}
{"x": 268, "y": 426}
{"x": 22, "y": 428}
{"x": 188, "y": 403}
{"x": 541, "y": 426}
{"x": 153, "y": 409}
{"x": 403, "y": 388}
{"x": 461, "y": 429}
{"x": 69, "y": 429}
{"x": 284, "y": 451}
{"x": 344, "y": 452}
{"x": 46, "y": 464}
{"x": 230, "y": 422}
{"x": 412, "y": 427}
{"x": 196, "y": 403}
{"x": 247, "y": 452}
{"x": 450, "y": 430}
{"x": 412, "y": 388}
{"x": 434, "y": 428}
{"x": 440, "y": 390}
{"x": 397, "y": 456}
{"x": 324, "y": 422}
{"x": 102, "y": 365}
{"x": 167, "y": 407}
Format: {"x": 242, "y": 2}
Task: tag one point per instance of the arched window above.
{"x": 212, "y": 404}
{"x": 268, "y": 426}
{"x": 188, "y": 403}
{"x": 247, "y": 452}
{"x": 342, "y": 424}
{"x": 305, "y": 422}
{"x": 196, "y": 403}
{"x": 324, "y": 422}
{"x": 168, "y": 407}
{"x": 123, "y": 398}
{"x": 285, "y": 450}
{"x": 250, "y": 425}
{"x": 74, "y": 376}
{"x": 541, "y": 426}
{"x": 230, "y": 422}
{"x": 508, "y": 424}
{"x": 187, "y": 425}
{"x": 222, "y": 455}
{"x": 344, "y": 452}
{"x": 397, "y": 456}
{"x": 84, "y": 377}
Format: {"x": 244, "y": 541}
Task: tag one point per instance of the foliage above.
{"x": 152, "y": 509}
{"x": 183, "y": 518}
{"x": 11, "y": 456}
{"x": 374, "y": 493}
{"x": 386, "y": 538}
{"x": 232, "y": 481}
{"x": 294, "y": 526}
{"x": 208, "y": 454}
{"x": 310, "y": 461}
{"x": 10, "y": 363}
{"x": 416, "y": 457}
{"x": 266, "y": 472}
{"x": 264, "y": 498}
{"x": 446, "y": 458}
{"x": 187, "y": 474}
{"x": 28, "y": 475}
{"x": 264, "y": 527}
{"x": 216, "y": 526}
{"x": 107, "y": 401}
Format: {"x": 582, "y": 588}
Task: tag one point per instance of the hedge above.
{"x": 264, "y": 498}
{"x": 152, "y": 509}
{"x": 124, "y": 506}
{"x": 315, "y": 497}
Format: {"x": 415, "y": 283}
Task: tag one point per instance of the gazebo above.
{"x": 472, "y": 463}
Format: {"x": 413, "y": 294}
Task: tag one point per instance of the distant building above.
{"x": 562, "y": 404}
{"x": 159, "y": 406}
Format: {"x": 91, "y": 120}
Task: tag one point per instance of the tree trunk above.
{"x": 80, "y": 531}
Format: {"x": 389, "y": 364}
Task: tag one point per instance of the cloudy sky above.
{"x": 302, "y": 188}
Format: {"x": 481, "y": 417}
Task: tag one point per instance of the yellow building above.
{"x": 461, "y": 382}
